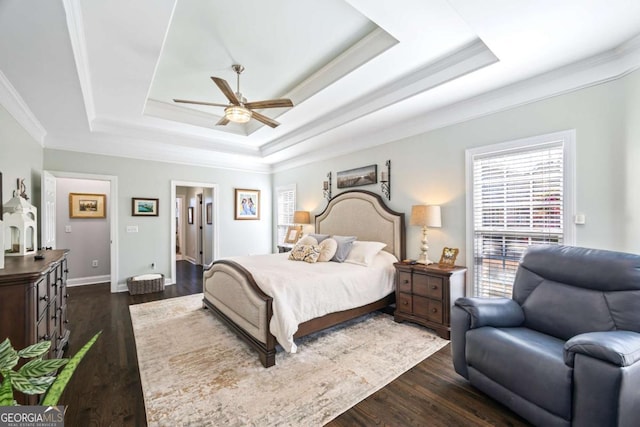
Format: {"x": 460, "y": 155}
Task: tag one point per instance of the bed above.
{"x": 233, "y": 294}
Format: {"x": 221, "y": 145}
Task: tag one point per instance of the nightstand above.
{"x": 425, "y": 294}
{"x": 285, "y": 247}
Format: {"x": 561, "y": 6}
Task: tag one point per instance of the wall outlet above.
{"x": 94, "y": 263}
{"x": 153, "y": 265}
{"x": 132, "y": 228}
{"x": 67, "y": 229}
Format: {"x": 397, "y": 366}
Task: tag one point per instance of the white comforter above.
{"x": 303, "y": 291}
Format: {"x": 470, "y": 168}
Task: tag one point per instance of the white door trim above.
{"x": 214, "y": 243}
{"x": 112, "y": 206}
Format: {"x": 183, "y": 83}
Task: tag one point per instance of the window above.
{"x": 286, "y": 207}
{"x": 518, "y": 194}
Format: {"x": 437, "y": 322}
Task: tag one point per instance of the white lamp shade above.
{"x": 426, "y": 215}
{"x": 301, "y": 217}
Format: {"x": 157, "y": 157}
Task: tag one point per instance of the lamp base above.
{"x": 424, "y": 260}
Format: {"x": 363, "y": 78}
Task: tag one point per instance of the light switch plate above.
{"x": 67, "y": 229}
{"x": 132, "y": 228}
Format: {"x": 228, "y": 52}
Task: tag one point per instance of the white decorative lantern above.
{"x": 20, "y": 227}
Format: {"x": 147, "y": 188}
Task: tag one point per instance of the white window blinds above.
{"x": 518, "y": 200}
{"x": 286, "y": 208}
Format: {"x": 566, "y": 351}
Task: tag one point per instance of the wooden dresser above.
{"x": 33, "y": 301}
{"x": 425, "y": 294}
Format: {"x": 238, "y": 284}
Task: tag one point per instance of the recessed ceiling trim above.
{"x": 154, "y": 134}
{"x": 469, "y": 58}
{"x": 176, "y": 113}
{"x": 15, "y": 105}
{"x": 607, "y": 66}
{"x": 131, "y": 148}
{"x": 75, "y": 25}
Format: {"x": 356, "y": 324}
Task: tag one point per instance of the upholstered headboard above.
{"x": 363, "y": 214}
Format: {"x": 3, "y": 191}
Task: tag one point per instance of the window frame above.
{"x": 567, "y": 138}
{"x": 281, "y": 189}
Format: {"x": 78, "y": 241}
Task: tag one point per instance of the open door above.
{"x": 48, "y": 214}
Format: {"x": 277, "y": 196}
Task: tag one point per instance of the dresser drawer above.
{"x": 42, "y": 329}
{"x": 404, "y": 282}
{"x": 404, "y": 303}
{"x": 42, "y": 295}
{"x": 434, "y": 311}
{"x": 427, "y": 286}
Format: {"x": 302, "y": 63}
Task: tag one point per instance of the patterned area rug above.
{"x": 196, "y": 372}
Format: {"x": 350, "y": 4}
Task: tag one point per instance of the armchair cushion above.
{"x": 621, "y": 348}
{"x": 525, "y": 362}
{"x": 497, "y": 312}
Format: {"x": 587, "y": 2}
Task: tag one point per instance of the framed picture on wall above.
{"x": 209, "y": 213}
{"x": 144, "y": 206}
{"x": 83, "y": 205}
{"x": 190, "y": 215}
{"x": 247, "y": 204}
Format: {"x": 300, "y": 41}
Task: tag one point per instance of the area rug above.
{"x": 195, "y": 371}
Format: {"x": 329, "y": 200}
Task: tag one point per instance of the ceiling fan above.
{"x": 239, "y": 110}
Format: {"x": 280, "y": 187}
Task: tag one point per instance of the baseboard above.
{"x": 122, "y": 287}
{"x": 179, "y": 257}
{"x": 91, "y": 280}
{"x": 189, "y": 259}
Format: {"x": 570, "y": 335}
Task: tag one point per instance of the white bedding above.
{"x": 302, "y": 291}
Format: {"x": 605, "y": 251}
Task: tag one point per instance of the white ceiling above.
{"x": 99, "y": 77}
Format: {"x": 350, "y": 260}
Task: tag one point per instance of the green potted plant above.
{"x": 37, "y": 376}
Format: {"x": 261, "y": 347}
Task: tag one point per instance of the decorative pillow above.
{"x": 328, "y": 249}
{"x": 362, "y": 252}
{"x": 319, "y": 237}
{"x": 306, "y": 253}
{"x": 307, "y": 240}
{"x": 344, "y": 247}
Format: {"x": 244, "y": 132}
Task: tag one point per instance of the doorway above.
{"x": 199, "y": 217}
{"x": 57, "y": 223}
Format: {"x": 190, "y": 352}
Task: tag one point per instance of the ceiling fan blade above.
{"x": 184, "y": 101}
{"x": 269, "y": 103}
{"x": 264, "y": 119}
{"x": 226, "y": 89}
{"x": 223, "y": 121}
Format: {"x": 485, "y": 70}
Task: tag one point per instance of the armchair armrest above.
{"x": 498, "y": 312}
{"x": 621, "y": 348}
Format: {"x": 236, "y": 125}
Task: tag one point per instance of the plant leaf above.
{"x": 35, "y": 350}
{"x": 8, "y": 356}
{"x": 40, "y": 385}
{"x": 55, "y": 391}
{"x": 38, "y": 368}
{"x": 6, "y": 393}
{"x": 21, "y": 383}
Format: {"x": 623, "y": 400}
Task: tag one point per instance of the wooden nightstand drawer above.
{"x": 427, "y": 286}
{"x": 404, "y": 282}
{"x": 425, "y": 294}
{"x": 404, "y": 303}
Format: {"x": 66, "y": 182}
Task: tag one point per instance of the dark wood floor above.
{"x": 106, "y": 389}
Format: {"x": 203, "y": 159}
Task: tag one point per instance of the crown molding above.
{"x": 131, "y": 148}
{"x": 18, "y": 108}
{"x": 467, "y": 59}
{"x": 602, "y": 68}
{"x": 75, "y": 26}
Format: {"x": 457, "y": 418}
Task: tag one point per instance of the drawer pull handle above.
{"x": 60, "y": 309}
{"x": 434, "y": 310}
{"x": 54, "y": 317}
{"x": 44, "y": 298}
{"x": 66, "y": 295}
{"x": 406, "y": 281}
{"x": 66, "y": 321}
{"x": 45, "y": 338}
{"x": 66, "y": 270}
{"x": 54, "y": 285}
{"x": 434, "y": 287}
{"x": 405, "y": 302}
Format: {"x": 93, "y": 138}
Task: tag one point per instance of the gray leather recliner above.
{"x": 565, "y": 351}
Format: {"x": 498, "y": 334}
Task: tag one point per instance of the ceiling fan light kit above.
{"x": 239, "y": 110}
{"x": 237, "y": 114}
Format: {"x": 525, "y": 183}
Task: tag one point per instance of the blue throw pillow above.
{"x": 344, "y": 247}
{"x": 319, "y": 237}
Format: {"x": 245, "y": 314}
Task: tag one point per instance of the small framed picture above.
{"x": 144, "y": 206}
{"x": 293, "y": 234}
{"x": 209, "y": 213}
{"x": 83, "y": 205}
{"x": 190, "y": 215}
{"x": 448, "y": 257}
{"x": 247, "y": 204}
